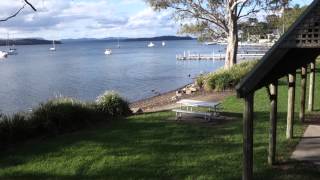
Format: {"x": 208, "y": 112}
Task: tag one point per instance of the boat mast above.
{"x": 7, "y": 44}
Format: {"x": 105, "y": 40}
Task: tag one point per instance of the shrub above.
{"x": 223, "y": 79}
{"x": 13, "y": 129}
{"x": 61, "y": 115}
{"x": 58, "y": 116}
{"x": 200, "y": 80}
{"x": 112, "y": 104}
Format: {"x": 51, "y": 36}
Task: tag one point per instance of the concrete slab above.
{"x": 309, "y": 147}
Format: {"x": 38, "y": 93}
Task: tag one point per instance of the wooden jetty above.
{"x": 242, "y": 55}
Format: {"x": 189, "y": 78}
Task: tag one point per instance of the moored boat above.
{"x": 108, "y": 52}
{"x": 3, "y": 54}
{"x": 151, "y": 45}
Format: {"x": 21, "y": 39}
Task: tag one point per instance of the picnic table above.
{"x": 187, "y": 106}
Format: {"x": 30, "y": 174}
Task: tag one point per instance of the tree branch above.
{"x": 16, "y": 13}
{"x": 27, "y": 2}
{"x": 235, "y": 4}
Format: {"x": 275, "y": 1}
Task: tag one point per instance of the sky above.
{"x": 61, "y": 19}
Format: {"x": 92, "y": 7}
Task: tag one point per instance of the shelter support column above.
{"x": 312, "y": 85}
{"x": 273, "y": 88}
{"x": 291, "y": 97}
{"x": 303, "y": 93}
{"x": 248, "y": 137}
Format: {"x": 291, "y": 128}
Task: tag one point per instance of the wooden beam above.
{"x": 312, "y": 85}
{"x": 291, "y": 98}
{"x": 248, "y": 137}
{"x": 303, "y": 93}
{"x": 273, "y": 122}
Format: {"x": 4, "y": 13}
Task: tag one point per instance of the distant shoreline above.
{"x": 26, "y": 41}
{"x": 121, "y": 39}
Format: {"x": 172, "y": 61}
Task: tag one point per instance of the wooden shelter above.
{"x": 296, "y": 49}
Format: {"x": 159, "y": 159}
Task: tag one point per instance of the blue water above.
{"x": 81, "y": 70}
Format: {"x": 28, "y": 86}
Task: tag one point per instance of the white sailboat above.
{"x": 12, "y": 50}
{"x": 3, "y": 54}
{"x": 53, "y": 48}
{"x": 150, "y": 45}
{"x": 108, "y": 52}
{"x": 163, "y": 43}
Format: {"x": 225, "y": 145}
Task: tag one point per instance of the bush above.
{"x": 61, "y": 115}
{"x": 223, "y": 79}
{"x": 58, "y": 116}
{"x": 13, "y": 129}
{"x": 112, "y": 104}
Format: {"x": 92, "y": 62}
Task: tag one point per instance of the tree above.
{"x": 289, "y": 16}
{"x": 26, "y": 3}
{"x": 211, "y": 19}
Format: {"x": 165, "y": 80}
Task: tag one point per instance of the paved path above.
{"x": 309, "y": 147}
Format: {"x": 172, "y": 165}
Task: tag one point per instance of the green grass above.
{"x": 150, "y": 146}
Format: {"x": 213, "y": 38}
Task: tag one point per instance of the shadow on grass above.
{"x": 146, "y": 146}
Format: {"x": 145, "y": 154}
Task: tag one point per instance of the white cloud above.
{"x": 79, "y": 18}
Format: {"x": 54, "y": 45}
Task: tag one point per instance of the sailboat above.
{"x": 53, "y": 48}
{"x": 163, "y": 43}
{"x": 108, "y": 52}
{"x": 3, "y": 54}
{"x": 12, "y": 50}
{"x": 150, "y": 45}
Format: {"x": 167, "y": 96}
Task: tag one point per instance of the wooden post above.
{"x": 312, "y": 86}
{"x": 303, "y": 93}
{"x": 273, "y": 122}
{"x": 291, "y": 97}
{"x": 248, "y": 138}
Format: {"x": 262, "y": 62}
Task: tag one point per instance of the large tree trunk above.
{"x": 232, "y": 46}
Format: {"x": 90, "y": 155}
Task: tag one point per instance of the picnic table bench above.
{"x": 187, "y": 107}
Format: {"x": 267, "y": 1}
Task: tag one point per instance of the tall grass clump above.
{"x": 62, "y": 115}
{"x": 59, "y": 116}
{"x": 13, "y": 129}
{"x": 225, "y": 79}
{"x": 112, "y": 104}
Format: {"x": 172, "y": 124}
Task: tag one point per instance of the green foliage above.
{"x": 111, "y": 103}
{"x": 225, "y": 78}
{"x": 59, "y": 116}
{"x": 150, "y": 146}
{"x": 13, "y": 129}
{"x": 289, "y": 17}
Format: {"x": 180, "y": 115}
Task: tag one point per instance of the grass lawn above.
{"x": 152, "y": 147}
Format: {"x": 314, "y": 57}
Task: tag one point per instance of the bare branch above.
{"x": 16, "y": 13}
{"x": 26, "y": 1}
{"x": 235, "y": 4}
{"x": 13, "y": 15}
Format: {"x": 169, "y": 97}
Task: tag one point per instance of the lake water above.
{"x": 81, "y": 70}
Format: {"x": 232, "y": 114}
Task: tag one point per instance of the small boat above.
{"x": 108, "y": 52}
{"x": 163, "y": 43}
{"x": 53, "y": 48}
{"x": 150, "y": 45}
{"x": 3, "y": 54}
{"x": 12, "y": 50}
